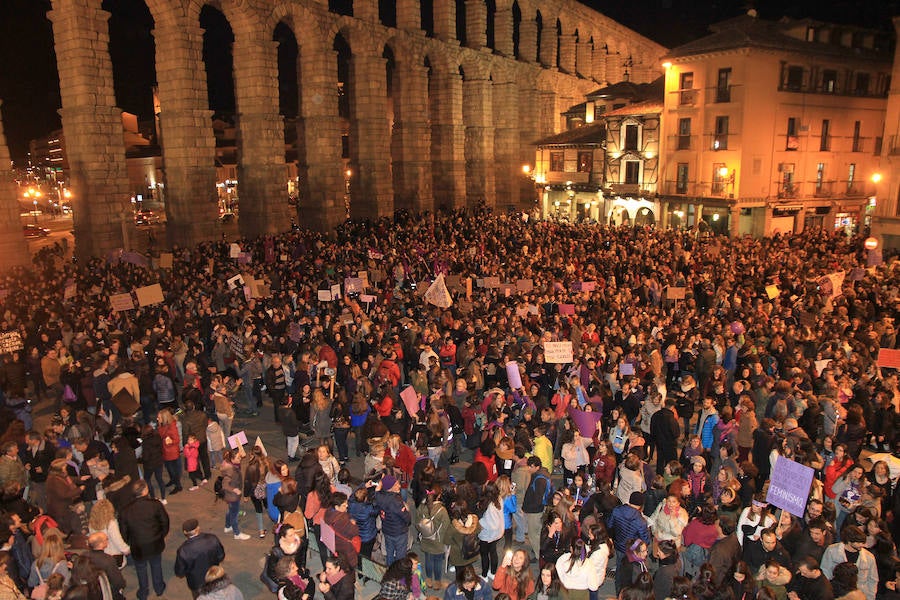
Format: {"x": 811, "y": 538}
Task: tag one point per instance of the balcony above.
{"x": 723, "y": 94}
{"x": 687, "y": 97}
{"x": 788, "y": 190}
{"x": 824, "y": 189}
{"x": 682, "y": 142}
{"x": 894, "y": 145}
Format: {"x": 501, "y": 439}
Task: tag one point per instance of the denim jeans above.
{"x": 231, "y": 516}
{"x": 159, "y": 584}
{"x": 157, "y": 472}
{"x": 340, "y": 441}
{"x": 395, "y": 547}
{"x": 173, "y": 467}
{"x": 434, "y": 566}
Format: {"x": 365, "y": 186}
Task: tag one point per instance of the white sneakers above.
{"x": 242, "y": 536}
{"x": 228, "y": 530}
{"x": 193, "y": 488}
{"x": 164, "y": 501}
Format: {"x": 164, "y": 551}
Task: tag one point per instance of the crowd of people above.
{"x": 646, "y": 458}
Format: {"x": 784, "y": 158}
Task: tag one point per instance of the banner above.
{"x": 888, "y": 358}
{"x": 120, "y": 302}
{"x": 789, "y": 486}
{"x": 150, "y": 294}
{"x": 438, "y": 294}
{"x": 557, "y": 352}
{"x": 830, "y": 285}
{"x": 585, "y": 421}
{"x": 11, "y": 341}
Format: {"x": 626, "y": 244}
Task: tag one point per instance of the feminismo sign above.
{"x": 789, "y": 486}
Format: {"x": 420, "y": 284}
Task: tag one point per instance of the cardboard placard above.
{"x": 377, "y": 275}
{"x": 236, "y": 282}
{"x": 367, "y": 298}
{"x": 491, "y": 282}
{"x": 626, "y": 368}
{"x": 558, "y": 352}
{"x": 166, "y": 260}
{"x": 524, "y": 285}
{"x": 675, "y": 293}
{"x": 324, "y": 295}
{"x": 566, "y": 309}
{"x": 454, "y": 282}
{"x": 353, "y": 285}
{"x": 772, "y": 291}
{"x": 513, "y": 375}
{"x": 327, "y": 536}
{"x": 149, "y": 295}
{"x": 262, "y": 447}
{"x": 238, "y": 439}
{"x": 70, "y": 291}
{"x": 410, "y": 400}
{"x": 120, "y": 302}
{"x": 11, "y": 341}
{"x": 234, "y": 251}
{"x": 789, "y": 486}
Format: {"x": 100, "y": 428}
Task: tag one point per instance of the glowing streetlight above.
{"x": 667, "y": 65}
{"x": 526, "y": 169}
{"x": 876, "y": 177}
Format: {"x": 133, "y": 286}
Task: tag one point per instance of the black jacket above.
{"x": 144, "y": 523}
{"x": 195, "y": 556}
{"x": 289, "y": 424}
{"x": 342, "y": 590}
{"x": 819, "y": 588}
{"x": 107, "y": 564}
{"x": 724, "y": 556}
{"x": 151, "y": 455}
{"x": 665, "y": 430}
{"x": 42, "y": 458}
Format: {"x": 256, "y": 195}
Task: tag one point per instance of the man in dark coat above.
{"x": 726, "y": 551}
{"x": 665, "y": 431}
{"x": 97, "y": 542}
{"x": 810, "y": 582}
{"x": 196, "y": 555}
{"x": 145, "y": 523}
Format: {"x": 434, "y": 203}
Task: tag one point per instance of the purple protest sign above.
{"x": 789, "y": 486}
{"x": 586, "y": 422}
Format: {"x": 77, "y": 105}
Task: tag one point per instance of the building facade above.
{"x": 774, "y": 127}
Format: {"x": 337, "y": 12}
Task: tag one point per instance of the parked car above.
{"x": 32, "y": 230}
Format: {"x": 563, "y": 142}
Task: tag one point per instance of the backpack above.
{"x": 548, "y": 491}
{"x": 217, "y": 487}
{"x": 428, "y": 529}
{"x": 470, "y": 547}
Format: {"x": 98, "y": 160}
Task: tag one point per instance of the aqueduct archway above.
{"x": 443, "y": 99}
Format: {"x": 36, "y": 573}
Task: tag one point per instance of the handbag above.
{"x": 259, "y": 492}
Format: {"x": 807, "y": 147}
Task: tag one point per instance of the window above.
{"x": 793, "y": 142}
{"x": 345, "y": 146}
{"x": 829, "y": 81}
{"x": 632, "y": 172}
{"x": 851, "y": 175}
{"x": 557, "y": 162}
{"x": 723, "y": 86}
{"x": 820, "y": 176}
{"x": 794, "y": 82}
{"x": 788, "y": 189}
{"x": 630, "y": 143}
{"x": 720, "y": 173}
{"x": 862, "y": 84}
{"x": 585, "y": 162}
{"x": 684, "y": 134}
{"x": 681, "y": 180}
{"x": 856, "y": 144}
{"x": 720, "y": 141}
{"x": 687, "y": 88}
{"x": 824, "y": 141}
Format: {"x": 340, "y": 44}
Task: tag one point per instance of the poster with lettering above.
{"x": 675, "y": 293}
{"x": 235, "y": 282}
{"x": 492, "y": 282}
{"x": 120, "y": 302}
{"x": 585, "y": 421}
{"x": 410, "y": 400}
{"x": 558, "y": 352}
{"x": 513, "y": 375}
{"x": 324, "y": 295}
{"x": 588, "y": 286}
{"x": 149, "y": 295}
{"x": 353, "y": 285}
{"x": 889, "y": 358}
{"x": 789, "y": 486}
{"x": 11, "y": 341}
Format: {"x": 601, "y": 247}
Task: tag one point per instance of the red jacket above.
{"x": 170, "y": 450}
{"x": 385, "y": 406}
{"x": 405, "y": 460}
{"x": 489, "y": 463}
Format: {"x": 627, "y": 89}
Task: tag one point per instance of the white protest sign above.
{"x": 557, "y": 352}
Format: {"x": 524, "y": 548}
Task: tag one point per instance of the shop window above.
{"x": 585, "y": 162}
{"x": 557, "y": 162}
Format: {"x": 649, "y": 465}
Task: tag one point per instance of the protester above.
{"x": 196, "y": 555}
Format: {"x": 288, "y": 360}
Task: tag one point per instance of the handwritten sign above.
{"x": 557, "y": 352}
{"x": 675, "y": 293}
{"x": 120, "y": 302}
{"x": 353, "y": 285}
{"x": 166, "y": 259}
{"x": 324, "y": 295}
{"x": 234, "y": 251}
{"x": 513, "y": 375}
{"x": 888, "y": 358}
{"x": 789, "y": 486}
{"x": 149, "y": 295}
{"x": 238, "y": 439}
{"x": 10, "y": 341}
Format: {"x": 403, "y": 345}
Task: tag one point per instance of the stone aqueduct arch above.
{"x": 464, "y": 115}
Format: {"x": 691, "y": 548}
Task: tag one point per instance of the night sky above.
{"x": 29, "y": 85}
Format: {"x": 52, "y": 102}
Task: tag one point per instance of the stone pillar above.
{"x": 476, "y": 24}
{"x": 262, "y": 174}
{"x": 92, "y": 124}
{"x": 584, "y": 65}
{"x": 13, "y": 248}
{"x": 411, "y": 139}
{"x": 370, "y": 183}
{"x": 548, "y": 43}
{"x": 507, "y": 167}
{"x": 478, "y": 118}
{"x": 567, "y": 53}
{"x": 448, "y": 138}
{"x": 528, "y": 40}
{"x": 409, "y": 16}
{"x": 445, "y": 20}
{"x": 367, "y": 10}
{"x": 549, "y": 120}
{"x": 613, "y": 67}
{"x": 321, "y": 202}
{"x": 598, "y": 64}
{"x": 503, "y": 31}
{"x": 185, "y": 135}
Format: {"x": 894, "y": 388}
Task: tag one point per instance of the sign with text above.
{"x": 238, "y": 439}
{"x": 10, "y": 341}
{"x": 789, "y": 486}
{"x": 524, "y": 285}
{"x": 492, "y": 282}
{"x": 675, "y": 293}
{"x": 557, "y": 352}
{"x": 566, "y": 309}
{"x": 120, "y": 302}
{"x": 585, "y": 421}
{"x": 149, "y": 294}
{"x": 888, "y": 358}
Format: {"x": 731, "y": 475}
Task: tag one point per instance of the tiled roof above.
{"x": 750, "y": 32}
{"x": 594, "y": 133}
{"x": 631, "y": 90}
{"x": 639, "y": 108}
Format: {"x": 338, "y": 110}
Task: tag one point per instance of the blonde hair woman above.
{"x": 51, "y": 559}
{"x": 320, "y": 415}
{"x": 103, "y": 520}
